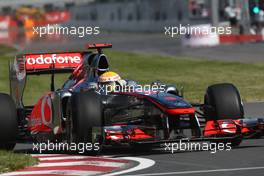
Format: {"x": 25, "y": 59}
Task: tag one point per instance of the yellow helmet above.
{"x": 109, "y": 77}
{"x": 109, "y": 80}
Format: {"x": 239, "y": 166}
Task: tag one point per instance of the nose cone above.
{"x": 170, "y": 101}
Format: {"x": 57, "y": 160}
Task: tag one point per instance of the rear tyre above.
{"x": 8, "y": 122}
{"x": 223, "y": 101}
{"x": 86, "y": 121}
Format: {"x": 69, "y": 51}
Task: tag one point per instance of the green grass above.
{"x": 10, "y": 161}
{"x": 6, "y": 49}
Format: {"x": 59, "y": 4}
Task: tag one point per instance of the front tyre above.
{"x": 85, "y": 121}
{"x": 223, "y": 101}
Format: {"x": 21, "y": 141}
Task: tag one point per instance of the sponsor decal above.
{"x": 62, "y": 60}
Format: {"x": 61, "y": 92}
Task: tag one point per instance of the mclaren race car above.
{"x": 79, "y": 113}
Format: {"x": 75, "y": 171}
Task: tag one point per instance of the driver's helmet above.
{"x": 110, "y": 81}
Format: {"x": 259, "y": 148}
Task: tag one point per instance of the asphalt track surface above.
{"x": 248, "y": 159}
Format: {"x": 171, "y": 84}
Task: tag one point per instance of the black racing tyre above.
{"x": 86, "y": 120}
{"x": 8, "y": 122}
{"x": 222, "y": 101}
{"x": 236, "y": 142}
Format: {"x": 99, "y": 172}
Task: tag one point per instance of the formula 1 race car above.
{"x": 79, "y": 113}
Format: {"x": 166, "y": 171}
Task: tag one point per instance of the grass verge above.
{"x": 6, "y": 50}
{"x": 10, "y": 161}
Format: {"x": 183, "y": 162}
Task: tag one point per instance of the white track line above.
{"x": 46, "y": 155}
{"x": 201, "y": 171}
{"x": 143, "y": 164}
{"x": 59, "y": 172}
{"x": 78, "y": 163}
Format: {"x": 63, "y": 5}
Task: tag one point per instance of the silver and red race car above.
{"x": 79, "y": 113}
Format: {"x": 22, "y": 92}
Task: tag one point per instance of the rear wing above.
{"x": 49, "y": 63}
{"x": 99, "y": 46}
